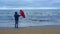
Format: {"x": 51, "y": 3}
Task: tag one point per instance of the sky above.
{"x": 29, "y": 3}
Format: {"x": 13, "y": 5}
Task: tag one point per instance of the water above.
{"x": 34, "y": 17}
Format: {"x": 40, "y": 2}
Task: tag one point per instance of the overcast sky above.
{"x": 29, "y": 3}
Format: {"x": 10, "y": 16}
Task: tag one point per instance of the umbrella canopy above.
{"x": 22, "y": 13}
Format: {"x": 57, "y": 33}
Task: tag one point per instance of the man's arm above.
{"x": 19, "y": 15}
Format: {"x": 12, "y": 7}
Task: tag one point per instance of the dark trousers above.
{"x": 16, "y": 24}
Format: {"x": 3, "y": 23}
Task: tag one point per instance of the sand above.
{"x": 32, "y": 30}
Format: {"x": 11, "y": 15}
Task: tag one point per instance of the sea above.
{"x": 33, "y": 17}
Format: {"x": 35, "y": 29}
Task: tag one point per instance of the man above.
{"x": 16, "y": 16}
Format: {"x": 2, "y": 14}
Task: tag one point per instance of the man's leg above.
{"x": 16, "y": 24}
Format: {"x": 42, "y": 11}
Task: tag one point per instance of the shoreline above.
{"x": 31, "y": 27}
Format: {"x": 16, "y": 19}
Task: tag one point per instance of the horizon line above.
{"x": 33, "y": 8}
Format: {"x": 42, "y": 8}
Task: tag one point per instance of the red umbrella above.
{"x": 22, "y": 13}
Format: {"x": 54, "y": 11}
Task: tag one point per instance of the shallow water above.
{"x": 34, "y": 17}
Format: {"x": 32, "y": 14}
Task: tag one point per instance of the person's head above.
{"x": 15, "y": 12}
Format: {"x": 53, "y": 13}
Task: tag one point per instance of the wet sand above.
{"x": 31, "y": 30}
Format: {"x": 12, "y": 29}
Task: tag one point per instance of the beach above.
{"x": 37, "y": 21}
{"x": 32, "y": 30}
{"x": 43, "y": 20}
